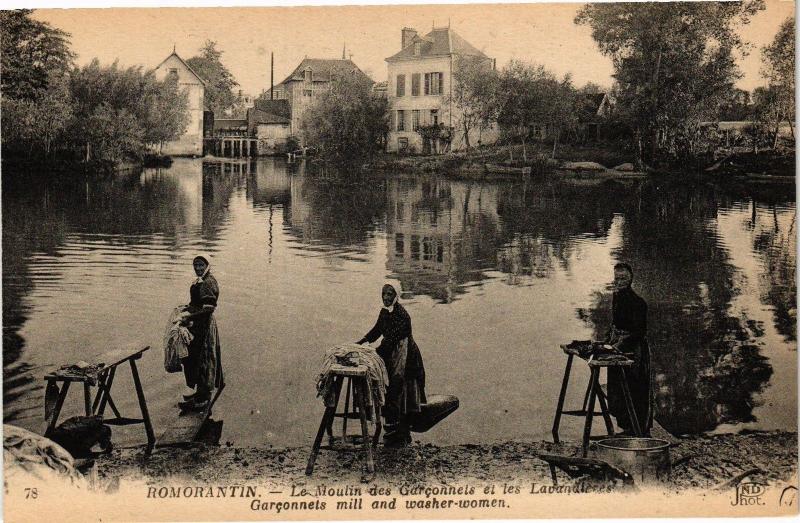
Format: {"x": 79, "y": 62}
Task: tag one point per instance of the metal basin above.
{"x": 646, "y": 459}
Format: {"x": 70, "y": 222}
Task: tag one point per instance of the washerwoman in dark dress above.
{"x": 403, "y": 361}
{"x": 628, "y": 334}
{"x": 203, "y": 367}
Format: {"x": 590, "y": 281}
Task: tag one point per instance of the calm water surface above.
{"x": 494, "y": 275}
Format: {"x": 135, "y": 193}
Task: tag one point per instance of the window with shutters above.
{"x": 434, "y": 116}
{"x": 433, "y": 83}
{"x": 415, "y": 120}
{"x": 401, "y": 120}
{"x": 401, "y": 85}
{"x": 415, "y": 84}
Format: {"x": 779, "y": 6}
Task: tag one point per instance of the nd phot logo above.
{"x": 749, "y": 493}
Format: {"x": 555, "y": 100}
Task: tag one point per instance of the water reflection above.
{"x": 707, "y": 358}
{"x": 441, "y": 234}
{"x": 91, "y": 261}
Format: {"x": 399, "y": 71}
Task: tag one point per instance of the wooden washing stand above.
{"x": 102, "y": 372}
{"x": 594, "y": 393}
{"x": 358, "y": 383}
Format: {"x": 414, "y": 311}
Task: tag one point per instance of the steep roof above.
{"x": 323, "y": 69}
{"x": 256, "y": 116}
{"x": 176, "y": 55}
{"x": 439, "y": 42}
{"x": 276, "y": 107}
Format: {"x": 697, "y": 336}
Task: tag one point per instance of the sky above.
{"x": 542, "y": 33}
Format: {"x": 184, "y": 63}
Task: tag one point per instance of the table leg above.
{"x": 148, "y": 427}
{"x": 337, "y": 393}
{"x": 107, "y": 395}
{"x": 587, "y": 429}
{"x": 561, "y": 396}
{"x": 626, "y": 392}
{"x": 378, "y": 426}
{"x": 360, "y": 396}
{"x": 346, "y": 409}
{"x": 323, "y": 425}
{"x": 62, "y": 394}
{"x": 101, "y": 382}
{"x": 87, "y": 398}
{"x": 601, "y": 398}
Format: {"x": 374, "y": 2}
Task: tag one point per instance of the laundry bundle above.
{"x": 176, "y": 341}
{"x": 352, "y": 355}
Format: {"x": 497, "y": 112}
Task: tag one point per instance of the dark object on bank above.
{"x": 437, "y": 408}
{"x": 157, "y": 160}
{"x": 647, "y": 459}
{"x": 577, "y": 467}
{"x": 80, "y": 433}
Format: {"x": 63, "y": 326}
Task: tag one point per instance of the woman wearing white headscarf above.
{"x": 203, "y": 367}
{"x": 403, "y": 361}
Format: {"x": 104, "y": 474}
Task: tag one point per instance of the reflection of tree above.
{"x": 121, "y": 210}
{"x": 706, "y": 364}
{"x": 337, "y": 213}
{"x": 777, "y": 247}
{"x": 542, "y": 224}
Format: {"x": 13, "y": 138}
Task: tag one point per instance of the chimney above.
{"x": 408, "y": 34}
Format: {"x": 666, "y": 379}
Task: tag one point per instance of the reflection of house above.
{"x": 191, "y": 142}
{"x": 420, "y": 84}
{"x": 310, "y": 79}
{"x": 436, "y": 234}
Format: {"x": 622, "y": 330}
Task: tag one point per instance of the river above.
{"x": 495, "y": 275}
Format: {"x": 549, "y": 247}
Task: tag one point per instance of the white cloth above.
{"x": 176, "y": 341}
{"x": 352, "y": 354}
{"x": 29, "y": 459}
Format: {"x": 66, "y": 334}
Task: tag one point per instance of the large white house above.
{"x": 191, "y": 142}
{"x": 420, "y": 87}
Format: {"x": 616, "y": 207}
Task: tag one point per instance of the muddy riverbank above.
{"x": 699, "y": 462}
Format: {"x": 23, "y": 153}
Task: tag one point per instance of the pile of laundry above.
{"x": 81, "y": 370}
{"x": 352, "y": 355}
{"x": 29, "y": 458}
{"x": 176, "y": 341}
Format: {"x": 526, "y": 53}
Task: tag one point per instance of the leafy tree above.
{"x": 348, "y": 123}
{"x": 778, "y": 69}
{"x": 474, "y": 88}
{"x": 118, "y": 112}
{"x": 219, "y": 95}
{"x": 531, "y": 96}
{"x": 167, "y": 114}
{"x": 31, "y": 52}
{"x": 673, "y": 61}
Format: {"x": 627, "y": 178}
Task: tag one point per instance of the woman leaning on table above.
{"x": 403, "y": 361}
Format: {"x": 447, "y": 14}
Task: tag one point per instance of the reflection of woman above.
{"x": 403, "y": 362}
{"x": 202, "y": 368}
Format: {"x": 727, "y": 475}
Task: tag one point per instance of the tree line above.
{"x": 54, "y": 111}
{"x": 675, "y": 68}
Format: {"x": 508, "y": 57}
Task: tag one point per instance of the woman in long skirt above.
{"x": 403, "y": 362}
{"x": 203, "y": 367}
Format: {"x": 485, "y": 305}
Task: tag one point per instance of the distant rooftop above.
{"x": 439, "y": 42}
{"x": 322, "y": 70}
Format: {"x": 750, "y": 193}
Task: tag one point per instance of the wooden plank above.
{"x": 343, "y": 370}
{"x": 187, "y": 426}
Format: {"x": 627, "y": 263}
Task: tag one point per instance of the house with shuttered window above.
{"x": 419, "y": 87}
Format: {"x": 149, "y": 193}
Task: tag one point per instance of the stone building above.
{"x": 420, "y": 86}
{"x": 308, "y": 81}
{"x": 191, "y": 142}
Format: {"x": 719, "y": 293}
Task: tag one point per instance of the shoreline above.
{"x": 699, "y": 462}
